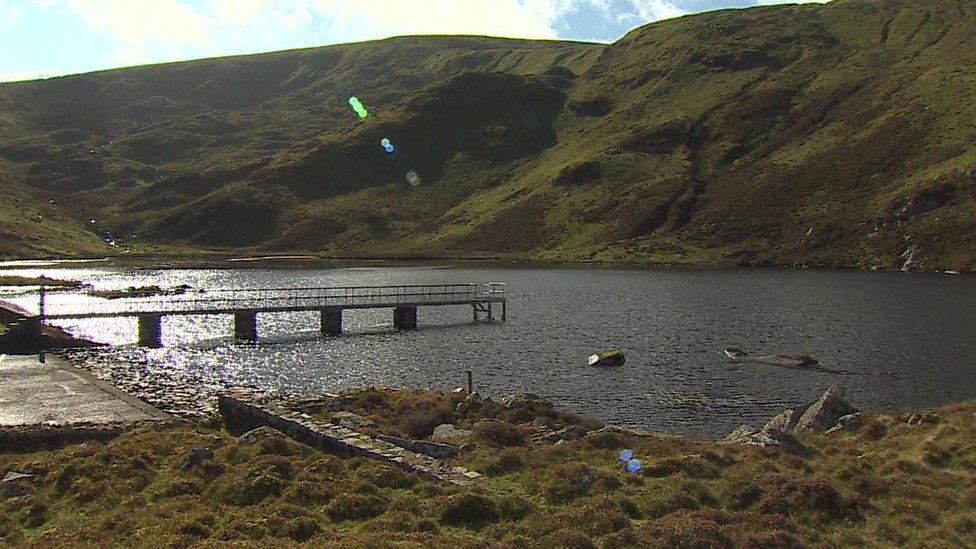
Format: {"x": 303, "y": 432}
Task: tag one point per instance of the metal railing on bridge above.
{"x": 213, "y": 300}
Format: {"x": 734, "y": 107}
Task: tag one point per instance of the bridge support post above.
{"x": 150, "y": 330}
{"x": 503, "y": 311}
{"x": 405, "y": 318}
{"x": 331, "y": 321}
{"x": 246, "y": 326}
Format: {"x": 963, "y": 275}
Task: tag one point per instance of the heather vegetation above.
{"x": 834, "y": 134}
{"x": 893, "y": 482}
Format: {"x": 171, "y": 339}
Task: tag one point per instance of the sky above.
{"x": 44, "y": 38}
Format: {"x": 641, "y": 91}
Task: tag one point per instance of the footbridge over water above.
{"x": 245, "y": 304}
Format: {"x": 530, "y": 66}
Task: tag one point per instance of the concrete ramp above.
{"x": 56, "y": 394}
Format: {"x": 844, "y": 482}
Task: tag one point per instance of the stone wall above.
{"x": 243, "y": 411}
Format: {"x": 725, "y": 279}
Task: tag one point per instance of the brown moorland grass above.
{"x": 890, "y": 483}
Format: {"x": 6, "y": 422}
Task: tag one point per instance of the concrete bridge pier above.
{"x": 246, "y": 326}
{"x": 150, "y": 330}
{"x": 331, "y": 323}
{"x": 405, "y": 318}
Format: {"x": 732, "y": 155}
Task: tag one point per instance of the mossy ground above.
{"x": 888, "y": 484}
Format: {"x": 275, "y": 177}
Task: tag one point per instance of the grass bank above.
{"x": 892, "y": 482}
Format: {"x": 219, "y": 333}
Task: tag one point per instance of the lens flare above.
{"x": 634, "y": 466}
{"x": 357, "y": 106}
{"x": 413, "y": 178}
{"x": 626, "y": 455}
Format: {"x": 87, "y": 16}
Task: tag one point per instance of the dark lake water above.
{"x": 892, "y": 340}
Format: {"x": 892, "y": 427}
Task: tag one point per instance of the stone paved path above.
{"x": 56, "y": 393}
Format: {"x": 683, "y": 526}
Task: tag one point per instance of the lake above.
{"x": 892, "y": 340}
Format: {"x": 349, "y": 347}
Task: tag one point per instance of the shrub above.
{"x": 349, "y": 506}
{"x": 514, "y": 508}
{"x": 780, "y": 539}
{"x": 306, "y": 492}
{"x": 302, "y": 528}
{"x": 266, "y": 477}
{"x": 420, "y": 423}
{"x": 569, "y": 482}
{"x": 685, "y": 531}
{"x": 506, "y": 462}
{"x": 786, "y": 495}
{"x": 195, "y": 529}
{"x": 373, "y": 399}
{"x": 36, "y": 515}
{"x": 498, "y": 433}
{"x": 470, "y": 510}
{"x": 606, "y": 441}
{"x": 384, "y": 476}
{"x": 657, "y": 508}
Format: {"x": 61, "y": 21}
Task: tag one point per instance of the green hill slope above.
{"x": 836, "y": 134}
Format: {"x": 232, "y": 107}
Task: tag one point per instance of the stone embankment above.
{"x": 245, "y": 410}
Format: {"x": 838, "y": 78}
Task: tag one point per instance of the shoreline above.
{"x": 221, "y": 260}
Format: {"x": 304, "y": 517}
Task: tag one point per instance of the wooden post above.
{"x": 246, "y": 326}
{"x": 331, "y": 321}
{"x": 150, "y": 331}
{"x": 41, "y": 357}
{"x": 470, "y": 383}
{"x": 503, "y": 311}
{"x": 405, "y": 318}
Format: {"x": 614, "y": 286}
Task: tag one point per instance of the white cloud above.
{"x": 514, "y": 18}
{"x": 653, "y": 10}
{"x": 640, "y": 12}
{"x": 10, "y": 13}
{"x": 20, "y": 76}
{"x": 156, "y": 30}
{"x": 146, "y": 29}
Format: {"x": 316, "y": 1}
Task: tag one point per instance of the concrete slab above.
{"x": 56, "y": 393}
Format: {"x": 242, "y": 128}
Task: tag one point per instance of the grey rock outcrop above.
{"x": 352, "y": 421}
{"x": 829, "y": 413}
{"x": 13, "y": 490}
{"x": 573, "y": 432}
{"x": 850, "y": 422}
{"x": 14, "y": 476}
{"x": 525, "y": 400}
{"x": 823, "y": 413}
{"x": 449, "y": 434}
{"x": 432, "y": 449}
{"x": 765, "y": 438}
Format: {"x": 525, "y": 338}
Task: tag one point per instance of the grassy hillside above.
{"x": 890, "y": 484}
{"x": 836, "y": 134}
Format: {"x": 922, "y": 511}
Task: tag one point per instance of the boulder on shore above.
{"x": 829, "y": 413}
